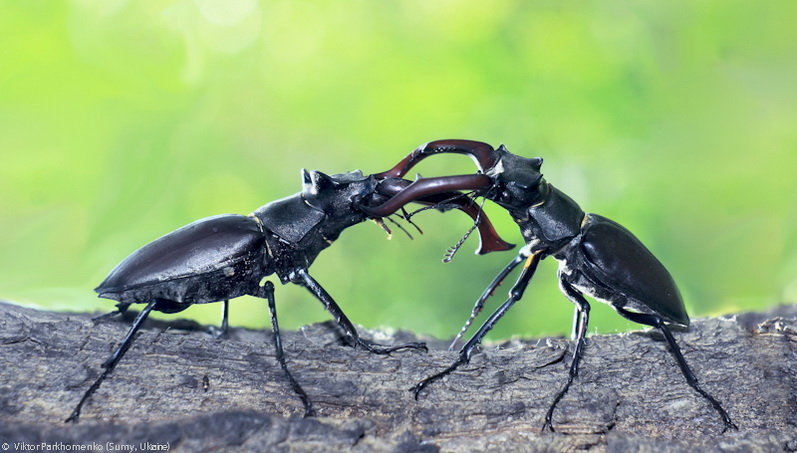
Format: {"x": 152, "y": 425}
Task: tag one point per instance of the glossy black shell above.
{"x": 212, "y": 259}
{"x": 615, "y": 259}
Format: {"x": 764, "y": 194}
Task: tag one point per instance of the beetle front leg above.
{"x": 467, "y": 350}
{"x": 304, "y": 279}
{"x": 488, "y": 292}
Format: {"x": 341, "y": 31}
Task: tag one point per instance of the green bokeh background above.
{"x": 121, "y": 121}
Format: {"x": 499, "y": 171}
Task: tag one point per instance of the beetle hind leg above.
{"x": 691, "y": 379}
{"x": 111, "y": 362}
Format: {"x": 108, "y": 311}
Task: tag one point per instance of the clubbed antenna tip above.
{"x": 455, "y": 248}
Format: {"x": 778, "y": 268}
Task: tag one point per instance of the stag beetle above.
{"x": 226, "y": 256}
{"x": 597, "y": 256}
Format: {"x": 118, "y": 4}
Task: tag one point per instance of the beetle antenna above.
{"x": 425, "y": 208}
{"x": 406, "y": 216}
{"x": 455, "y": 248}
{"x": 400, "y": 227}
{"x": 441, "y": 205}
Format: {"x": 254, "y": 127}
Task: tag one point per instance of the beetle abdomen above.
{"x": 620, "y": 262}
{"x": 222, "y": 250}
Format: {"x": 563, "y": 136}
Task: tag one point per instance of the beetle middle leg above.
{"x": 467, "y": 349}
{"x": 223, "y": 330}
{"x": 691, "y": 379}
{"x": 267, "y": 292}
{"x": 581, "y": 320}
{"x": 111, "y": 362}
{"x": 121, "y": 308}
{"x": 348, "y": 328}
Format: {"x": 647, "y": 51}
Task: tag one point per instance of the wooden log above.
{"x": 180, "y": 387}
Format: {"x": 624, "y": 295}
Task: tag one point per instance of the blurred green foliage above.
{"x": 121, "y": 121}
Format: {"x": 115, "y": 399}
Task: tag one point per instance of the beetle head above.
{"x": 338, "y": 193}
{"x": 517, "y": 179}
{"x": 509, "y": 172}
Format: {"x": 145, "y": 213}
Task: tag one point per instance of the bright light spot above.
{"x": 104, "y": 9}
{"x": 226, "y": 12}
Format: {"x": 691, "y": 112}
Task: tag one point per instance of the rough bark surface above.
{"x": 181, "y": 386}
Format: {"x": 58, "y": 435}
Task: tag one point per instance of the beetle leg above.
{"x": 467, "y": 350}
{"x": 267, "y": 292}
{"x": 489, "y": 291}
{"x": 110, "y": 364}
{"x": 691, "y": 379}
{"x": 580, "y": 331}
{"x": 221, "y": 332}
{"x": 348, "y": 328}
{"x": 121, "y": 308}
{"x": 576, "y": 322}
{"x": 225, "y": 318}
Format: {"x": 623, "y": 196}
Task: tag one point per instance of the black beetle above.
{"x": 226, "y": 256}
{"x": 597, "y": 256}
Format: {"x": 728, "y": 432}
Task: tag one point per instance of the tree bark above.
{"x": 181, "y": 387}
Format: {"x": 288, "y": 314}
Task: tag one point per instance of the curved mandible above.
{"x": 489, "y": 239}
{"x": 425, "y": 187}
{"x": 483, "y": 154}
